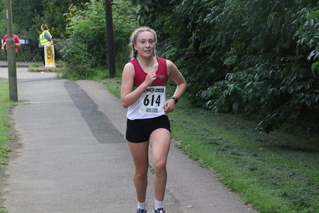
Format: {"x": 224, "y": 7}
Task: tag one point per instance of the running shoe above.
{"x": 159, "y": 210}
{"x": 141, "y": 210}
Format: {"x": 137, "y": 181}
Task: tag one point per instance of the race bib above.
{"x": 152, "y": 100}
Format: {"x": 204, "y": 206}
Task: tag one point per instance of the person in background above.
{"x": 16, "y": 43}
{"x": 45, "y": 38}
{"x": 143, "y": 92}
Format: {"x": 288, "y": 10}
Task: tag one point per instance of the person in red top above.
{"x": 143, "y": 92}
{"x": 16, "y": 43}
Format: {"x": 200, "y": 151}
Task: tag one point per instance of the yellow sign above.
{"x": 49, "y": 56}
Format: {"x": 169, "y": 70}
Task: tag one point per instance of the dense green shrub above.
{"x": 86, "y": 46}
{"x": 308, "y": 39}
{"x": 243, "y": 56}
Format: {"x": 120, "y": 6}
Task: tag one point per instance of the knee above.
{"x": 160, "y": 166}
{"x": 141, "y": 173}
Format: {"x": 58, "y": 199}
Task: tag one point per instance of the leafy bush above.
{"x": 243, "y": 56}
{"x": 308, "y": 39}
{"x": 86, "y": 47}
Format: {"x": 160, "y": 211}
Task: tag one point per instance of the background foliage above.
{"x": 78, "y": 29}
{"x": 243, "y": 56}
{"x": 28, "y": 15}
{"x": 86, "y": 45}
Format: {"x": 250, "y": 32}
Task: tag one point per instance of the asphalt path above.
{"x": 70, "y": 155}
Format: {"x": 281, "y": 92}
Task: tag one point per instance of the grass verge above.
{"x": 4, "y": 126}
{"x": 38, "y": 67}
{"x": 274, "y": 172}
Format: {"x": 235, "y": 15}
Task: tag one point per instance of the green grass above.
{"x": 274, "y": 172}
{"x": 4, "y": 120}
{"x": 4, "y": 126}
{"x": 96, "y": 74}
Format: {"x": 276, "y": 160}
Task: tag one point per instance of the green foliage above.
{"x": 308, "y": 38}
{"x": 124, "y": 22}
{"x": 85, "y": 48}
{"x": 28, "y": 15}
{"x": 243, "y": 56}
{"x": 275, "y": 95}
{"x": 3, "y": 24}
{"x": 54, "y": 14}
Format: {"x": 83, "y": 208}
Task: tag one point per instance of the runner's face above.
{"x": 145, "y": 44}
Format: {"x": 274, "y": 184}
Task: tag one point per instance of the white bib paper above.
{"x": 152, "y": 100}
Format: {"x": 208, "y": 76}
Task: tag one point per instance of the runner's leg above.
{"x": 139, "y": 152}
{"x": 160, "y": 141}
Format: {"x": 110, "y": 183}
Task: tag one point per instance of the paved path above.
{"x": 72, "y": 156}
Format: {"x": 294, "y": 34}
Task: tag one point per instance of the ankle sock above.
{"x": 158, "y": 204}
{"x": 142, "y": 205}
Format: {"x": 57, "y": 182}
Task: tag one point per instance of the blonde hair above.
{"x": 133, "y": 38}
